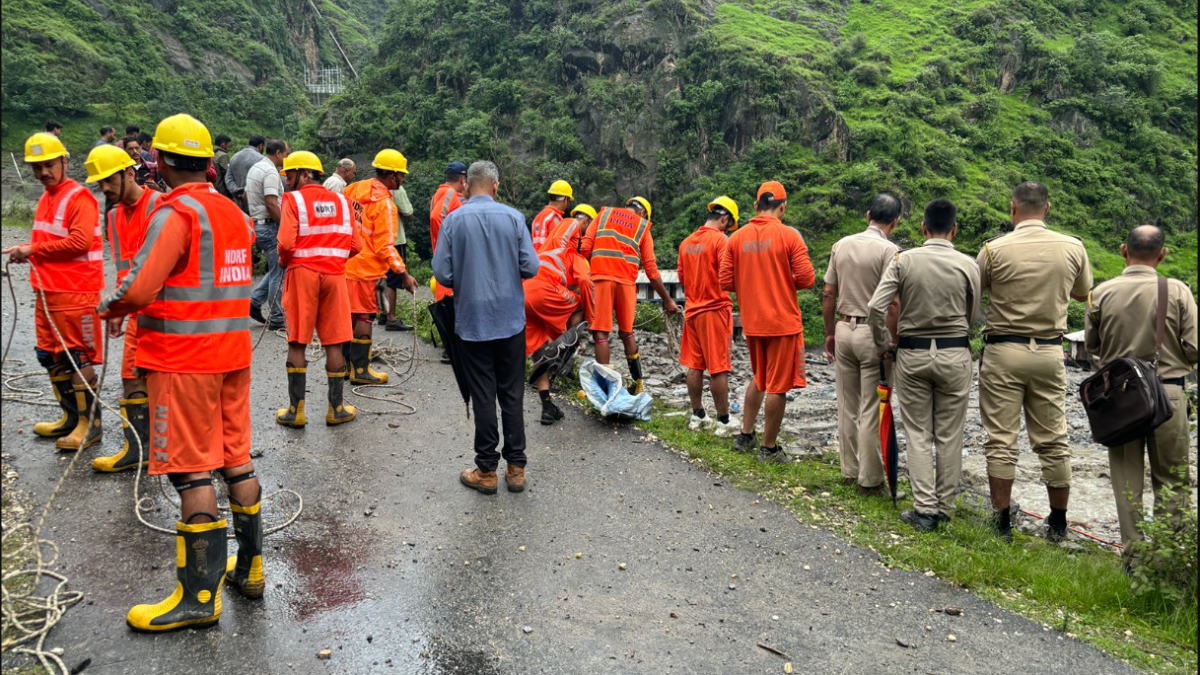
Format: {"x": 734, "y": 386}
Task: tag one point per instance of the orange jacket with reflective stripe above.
{"x": 195, "y": 263}
{"x": 127, "y": 228}
{"x": 543, "y": 223}
{"x": 316, "y": 230}
{"x": 618, "y": 242}
{"x": 561, "y": 269}
{"x": 445, "y": 200}
{"x": 68, "y": 247}
{"x": 377, "y": 216}
{"x": 566, "y": 234}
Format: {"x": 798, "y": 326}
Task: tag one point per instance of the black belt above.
{"x": 1177, "y": 381}
{"x": 1021, "y": 339}
{"x": 924, "y": 342}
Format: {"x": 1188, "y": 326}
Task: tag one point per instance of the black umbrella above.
{"x": 442, "y": 312}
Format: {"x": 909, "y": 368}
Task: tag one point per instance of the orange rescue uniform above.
{"x": 126, "y": 230}
{"x": 549, "y": 300}
{"x": 445, "y": 200}
{"x": 708, "y": 314}
{"x": 377, "y": 217}
{"x": 544, "y": 223}
{"x": 192, "y": 280}
{"x": 617, "y": 242}
{"x": 765, "y": 263}
{"x": 565, "y": 234}
{"x": 68, "y": 254}
{"x": 317, "y": 235}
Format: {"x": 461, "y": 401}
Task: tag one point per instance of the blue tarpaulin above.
{"x": 604, "y": 388}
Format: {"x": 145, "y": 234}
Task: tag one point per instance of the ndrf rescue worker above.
{"x": 551, "y": 215}
{"x": 191, "y": 282}
{"x": 128, "y": 218}
{"x": 378, "y": 218}
{"x": 856, "y": 263}
{"x": 552, "y": 306}
{"x": 708, "y": 317}
{"x": 1121, "y": 322}
{"x": 570, "y": 230}
{"x": 1031, "y": 274}
{"x": 939, "y": 295}
{"x": 446, "y": 198}
{"x": 67, "y": 278}
{"x": 317, "y": 234}
{"x": 618, "y": 242}
{"x": 765, "y": 263}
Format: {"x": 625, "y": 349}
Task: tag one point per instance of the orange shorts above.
{"x": 129, "y": 355}
{"x": 777, "y": 362}
{"x": 198, "y": 421}
{"x": 612, "y": 295}
{"x": 548, "y": 309}
{"x": 75, "y": 317}
{"x": 707, "y": 340}
{"x": 362, "y": 296}
{"x": 316, "y": 301}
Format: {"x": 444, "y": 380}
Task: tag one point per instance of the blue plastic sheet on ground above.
{"x": 604, "y": 388}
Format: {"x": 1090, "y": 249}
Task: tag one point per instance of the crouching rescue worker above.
{"x": 708, "y": 317}
{"x": 115, "y": 171}
{"x": 376, "y": 214}
{"x": 67, "y": 278}
{"x": 316, "y": 237}
{"x": 191, "y": 283}
{"x": 552, "y": 307}
{"x": 618, "y": 242}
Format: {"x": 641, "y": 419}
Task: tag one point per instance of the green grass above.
{"x": 760, "y": 32}
{"x": 1083, "y": 593}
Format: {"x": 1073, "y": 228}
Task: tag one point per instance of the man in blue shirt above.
{"x": 484, "y": 251}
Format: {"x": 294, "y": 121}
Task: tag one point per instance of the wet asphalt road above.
{"x": 392, "y": 592}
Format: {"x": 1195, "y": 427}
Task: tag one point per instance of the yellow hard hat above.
{"x": 561, "y": 188}
{"x": 105, "y": 160}
{"x": 643, "y": 201}
{"x": 184, "y": 135}
{"x": 433, "y": 285}
{"x": 585, "y": 209}
{"x": 727, "y": 204}
{"x": 390, "y": 160}
{"x": 302, "y": 159}
{"x": 43, "y": 146}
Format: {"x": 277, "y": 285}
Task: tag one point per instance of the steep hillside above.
{"x": 237, "y": 64}
{"x": 684, "y": 99}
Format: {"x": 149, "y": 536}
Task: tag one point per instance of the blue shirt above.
{"x": 484, "y": 251}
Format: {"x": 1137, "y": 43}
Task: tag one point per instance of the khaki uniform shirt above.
{"x": 1121, "y": 321}
{"x": 856, "y": 264}
{"x": 938, "y": 289}
{"x": 1031, "y": 274}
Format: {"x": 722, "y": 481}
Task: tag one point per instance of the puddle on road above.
{"x": 317, "y": 571}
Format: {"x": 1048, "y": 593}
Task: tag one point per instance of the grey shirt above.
{"x": 484, "y": 251}
{"x": 262, "y": 180}
{"x": 938, "y": 289}
{"x": 239, "y": 164}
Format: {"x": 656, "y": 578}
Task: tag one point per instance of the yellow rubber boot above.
{"x": 135, "y": 414}
{"x": 293, "y": 415}
{"x": 88, "y": 430}
{"x": 361, "y": 371}
{"x": 199, "y": 573}
{"x": 64, "y": 393}
{"x": 339, "y": 412}
{"x": 245, "y": 570}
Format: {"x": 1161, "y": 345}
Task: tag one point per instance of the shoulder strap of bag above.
{"x": 1160, "y": 327}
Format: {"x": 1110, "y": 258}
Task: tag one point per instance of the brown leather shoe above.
{"x": 483, "y": 481}
{"x": 514, "y": 478}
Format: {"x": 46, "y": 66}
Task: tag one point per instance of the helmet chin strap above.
{"x": 121, "y": 195}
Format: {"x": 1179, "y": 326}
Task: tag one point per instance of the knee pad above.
{"x": 48, "y": 360}
{"x": 182, "y": 486}
{"x": 363, "y": 317}
{"x": 601, "y": 340}
{"x": 236, "y": 479}
{"x": 625, "y": 336}
{"x": 79, "y": 357}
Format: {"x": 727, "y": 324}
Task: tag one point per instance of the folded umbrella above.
{"x": 889, "y": 447}
{"x": 442, "y": 312}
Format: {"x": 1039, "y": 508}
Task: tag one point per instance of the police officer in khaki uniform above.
{"x": 938, "y": 289}
{"x": 1030, "y": 273}
{"x": 856, "y": 264}
{"x": 1121, "y": 323}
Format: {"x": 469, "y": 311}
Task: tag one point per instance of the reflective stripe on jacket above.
{"x": 127, "y": 229}
{"x": 82, "y": 273}
{"x": 616, "y": 251}
{"x": 324, "y": 229}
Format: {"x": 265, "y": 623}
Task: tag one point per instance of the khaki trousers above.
{"x": 1168, "y": 450}
{"x": 857, "y": 376}
{"x": 1014, "y": 377}
{"x": 933, "y": 389}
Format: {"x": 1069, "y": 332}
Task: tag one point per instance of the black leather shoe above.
{"x": 256, "y": 313}
{"x": 919, "y": 521}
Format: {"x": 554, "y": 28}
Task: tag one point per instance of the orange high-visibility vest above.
{"x": 324, "y": 229}
{"x": 444, "y": 201}
{"x": 566, "y": 234}
{"x": 127, "y": 229}
{"x": 617, "y": 251}
{"x": 81, "y": 274}
{"x": 543, "y": 223}
{"x": 199, "y": 323}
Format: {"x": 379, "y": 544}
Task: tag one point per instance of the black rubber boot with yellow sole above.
{"x": 64, "y": 392}
{"x": 635, "y": 372}
{"x": 245, "y": 570}
{"x": 360, "y": 364}
{"x": 88, "y": 430}
{"x": 293, "y": 415}
{"x": 340, "y": 412}
{"x": 200, "y": 551}
{"x": 135, "y": 413}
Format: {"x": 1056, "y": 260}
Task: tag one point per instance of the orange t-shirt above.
{"x": 765, "y": 263}
{"x": 699, "y": 265}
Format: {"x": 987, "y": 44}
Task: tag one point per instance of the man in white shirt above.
{"x": 342, "y": 177}
{"x": 264, "y": 190}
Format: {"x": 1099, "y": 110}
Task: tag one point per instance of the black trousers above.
{"x": 496, "y": 371}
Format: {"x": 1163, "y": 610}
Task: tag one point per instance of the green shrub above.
{"x": 1166, "y": 558}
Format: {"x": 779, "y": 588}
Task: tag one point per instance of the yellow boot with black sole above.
{"x": 64, "y": 392}
{"x": 245, "y": 570}
{"x": 135, "y": 422}
{"x": 293, "y": 416}
{"x": 360, "y": 363}
{"x": 88, "y": 429}
{"x": 200, "y": 550}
